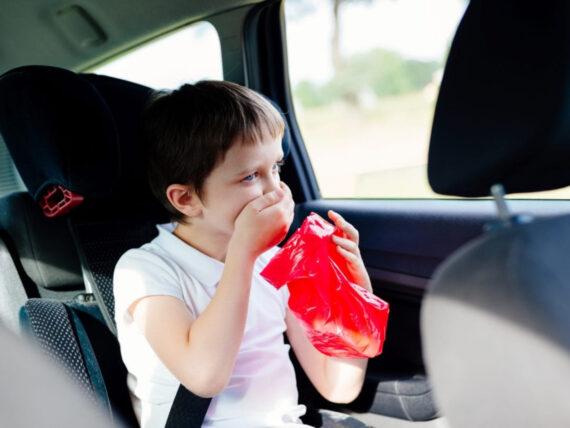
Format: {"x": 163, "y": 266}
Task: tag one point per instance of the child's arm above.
{"x": 201, "y": 352}
{"x": 337, "y": 379}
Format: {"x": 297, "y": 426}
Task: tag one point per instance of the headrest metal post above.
{"x": 498, "y": 192}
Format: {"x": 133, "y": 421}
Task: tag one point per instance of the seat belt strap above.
{"x": 188, "y": 410}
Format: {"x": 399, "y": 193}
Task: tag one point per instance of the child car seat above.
{"x": 74, "y": 139}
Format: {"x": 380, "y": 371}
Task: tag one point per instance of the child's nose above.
{"x": 271, "y": 184}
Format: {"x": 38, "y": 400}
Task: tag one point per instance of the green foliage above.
{"x": 312, "y": 95}
{"x": 380, "y": 71}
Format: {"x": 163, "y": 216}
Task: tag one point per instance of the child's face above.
{"x": 247, "y": 172}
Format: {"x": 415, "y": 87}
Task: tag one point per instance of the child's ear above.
{"x": 184, "y": 199}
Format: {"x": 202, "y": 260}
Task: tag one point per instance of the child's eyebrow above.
{"x": 252, "y": 167}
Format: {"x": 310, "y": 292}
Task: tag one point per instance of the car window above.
{"x": 364, "y": 90}
{"x": 186, "y": 55}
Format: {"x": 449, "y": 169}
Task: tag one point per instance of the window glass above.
{"x": 187, "y": 55}
{"x": 364, "y": 89}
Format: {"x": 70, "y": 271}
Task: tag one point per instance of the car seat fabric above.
{"x": 408, "y": 397}
{"x": 38, "y": 258}
{"x": 501, "y": 114}
{"x": 43, "y": 247}
{"x": 69, "y": 333}
{"x": 495, "y": 329}
{"x": 49, "y": 322}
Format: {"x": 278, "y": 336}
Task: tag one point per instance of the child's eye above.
{"x": 276, "y": 169}
{"x": 250, "y": 177}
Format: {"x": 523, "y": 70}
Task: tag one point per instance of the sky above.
{"x": 419, "y": 29}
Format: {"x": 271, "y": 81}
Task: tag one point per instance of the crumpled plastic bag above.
{"x": 340, "y": 318}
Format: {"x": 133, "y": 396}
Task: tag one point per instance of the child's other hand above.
{"x": 265, "y": 221}
{"x": 347, "y": 247}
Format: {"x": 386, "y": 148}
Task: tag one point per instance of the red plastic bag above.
{"x": 340, "y": 318}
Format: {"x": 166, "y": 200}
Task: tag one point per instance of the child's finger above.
{"x": 336, "y": 218}
{"x": 347, "y": 244}
{"x": 344, "y": 225}
{"x": 351, "y": 257}
{"x": 267, "y": 200}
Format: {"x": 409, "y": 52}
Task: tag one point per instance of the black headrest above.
{"x": 77, "y": 131}
{"x": 80, "y": 131}
{"x": 59, "y": 131}
{"x": 503, "y": 112}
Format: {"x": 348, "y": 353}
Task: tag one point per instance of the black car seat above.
{"x": 74, "y": 139}
{"x": 63, "y": 132}
{"x": 37, "y": 256}
{"x": 495, "y": 321}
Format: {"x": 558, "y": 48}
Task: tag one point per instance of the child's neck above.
{"x": 215, "y": 246}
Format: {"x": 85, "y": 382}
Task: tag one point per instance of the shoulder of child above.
{"x": 140, "y": 256}
{"x": 140, "y": 273}
{"x": 143, "y": 265}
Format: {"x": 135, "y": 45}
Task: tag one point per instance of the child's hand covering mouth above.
{"x": 265, "y": 221}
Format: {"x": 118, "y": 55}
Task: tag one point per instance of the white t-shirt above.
{"x": 262, "y": 390}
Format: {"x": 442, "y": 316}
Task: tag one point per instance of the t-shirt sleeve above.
{"x": 140, "y": 273}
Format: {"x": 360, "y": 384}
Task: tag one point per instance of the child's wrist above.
{"x": 240, "y": 250}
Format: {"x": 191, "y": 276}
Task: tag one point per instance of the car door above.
{"x": 404, "y": 234}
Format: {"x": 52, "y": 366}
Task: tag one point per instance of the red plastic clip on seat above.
{"x": 57, "y": 200}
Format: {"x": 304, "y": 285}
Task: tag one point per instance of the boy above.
{"x": 191, "y": 307}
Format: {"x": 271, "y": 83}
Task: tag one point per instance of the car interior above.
{"x": 476, "y": 286}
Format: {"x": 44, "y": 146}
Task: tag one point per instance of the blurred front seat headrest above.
{"x": 503, "y": 111}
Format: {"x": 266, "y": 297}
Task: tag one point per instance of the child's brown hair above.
{"x": 188, "y": 131}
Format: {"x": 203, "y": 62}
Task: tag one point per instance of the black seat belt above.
{"x": 188, "y": 410}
